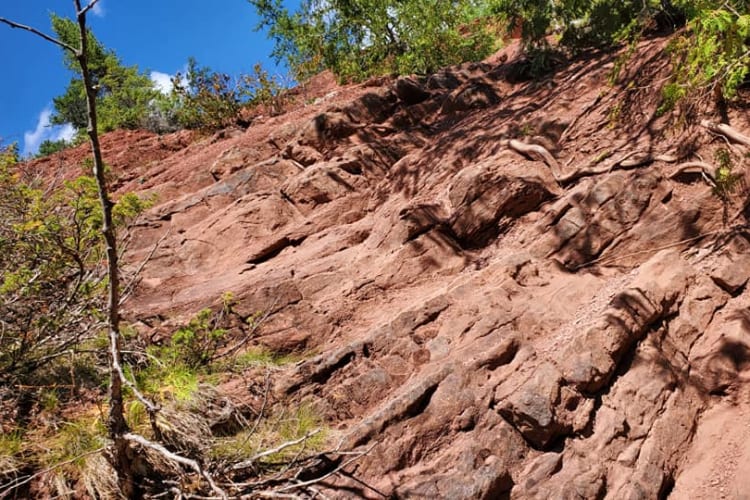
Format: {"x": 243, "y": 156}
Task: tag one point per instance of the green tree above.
{"x": 359, "y": 38}
{"x": 207, "y": 100}
{"x": 123, "y": 94}
{"x": 48, "y": 147}
{"x": 713, "y": 56}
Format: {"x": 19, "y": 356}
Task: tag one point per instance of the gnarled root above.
{"x": 727, "y": 131}
{"x": 696, "y": 167}
{"x": 535, "y": 151}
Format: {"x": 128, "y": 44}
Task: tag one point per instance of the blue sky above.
{"x": 156, "y": 35}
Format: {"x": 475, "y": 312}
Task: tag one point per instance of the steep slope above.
{"x": 492, "y": 319}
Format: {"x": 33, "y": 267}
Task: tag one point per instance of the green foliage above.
{"x": 49, "y": 147}
{"x": 174, "y": 369}
{"x": 11, "y": 445}
{"x": 51, "y": 266}
{"x": 713, "y": 56}
{"x": 123, "y": 94}
{"x": 726, "y": 179}
{"x": 359, "y": 38}
{"x": 73, "y": 440}
{"x": 196, "y": 343}
{"x": 204, "y": 99}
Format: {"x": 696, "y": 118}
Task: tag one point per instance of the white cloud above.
{"x": 98, "y": 10}
{"x": 162, "y": 81}
{"x": 45, "y": 131}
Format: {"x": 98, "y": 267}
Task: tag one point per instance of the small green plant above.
{"x": 613, "y": 117}
{"x": 11, "y": 447}
{"x": 49, "y": 400}
{"x": 260, "y": 356}
{"x": 176, "y": 368}
{"x": 671, "y": 94}
{"x": 726, "y": 179}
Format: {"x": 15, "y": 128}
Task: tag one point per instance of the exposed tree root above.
{"x": 536, "y": 151}
{"x": 696, "y": 167}
{"x": 626, "y": 161}
{"x": 727, "y": 131}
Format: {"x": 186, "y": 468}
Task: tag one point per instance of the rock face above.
{"x": 485, "y": 331}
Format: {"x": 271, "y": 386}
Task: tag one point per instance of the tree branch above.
{"x": 88, "y": 7}
{"x": 35, "y": 31}
{"x": 131, "y": 284}
{"x": 176, "y": 458}
{"x": 251, "y": 461}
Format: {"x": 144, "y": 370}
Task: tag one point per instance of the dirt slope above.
{"x": 493, "y": 324}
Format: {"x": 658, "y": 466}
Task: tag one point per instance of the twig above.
{"x": 49, "y": 38}
{"x": 151, "y": 408}
{"x": 263, "y": 406}
{"x": 21, "y": 481}
{"x": 90, "y": 6}
{"x": 246, "y": 338}
{"x": 251, "y": 461}
{"x": 131, "y": 284}
{"x": 609, "y": 260}
{"x": 304, "y": 484}
{"x": 176, "y": 458}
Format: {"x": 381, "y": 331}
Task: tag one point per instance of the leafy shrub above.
{"x": 359, "y": 38}
{"x": 49, "y": 147}
{"x": 712, "y": 57}
{"x": 204, "y": 99}
{"x": 51, "y": 266}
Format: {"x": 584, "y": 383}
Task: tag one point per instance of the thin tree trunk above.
{"x": 116, "y": 423}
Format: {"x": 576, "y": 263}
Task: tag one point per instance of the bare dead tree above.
{"x": 116, "y": 423}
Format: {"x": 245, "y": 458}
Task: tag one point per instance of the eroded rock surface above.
{"x": 484, "y": 330}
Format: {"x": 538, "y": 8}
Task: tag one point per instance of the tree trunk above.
{"x": 116, "y": 424}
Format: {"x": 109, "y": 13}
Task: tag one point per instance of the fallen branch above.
{"x": 609, "y": 260}
{"x": 251, "y": 461}
{"x": 304, "y": 484}
{"x": 178, "y": 459}
{"x": 726, "y": 130}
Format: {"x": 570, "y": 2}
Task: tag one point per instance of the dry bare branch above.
{"x": 178, "y": 459}
{"x": 35, "y": 31}
{"x": 251, "y": 461}
{"x": 16, "y": 483}
{"x": 696, "y": 167}
{"x": 304, "y": 484}
{"x": 90, "y": 6}
{"x": 128, "y": 290}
